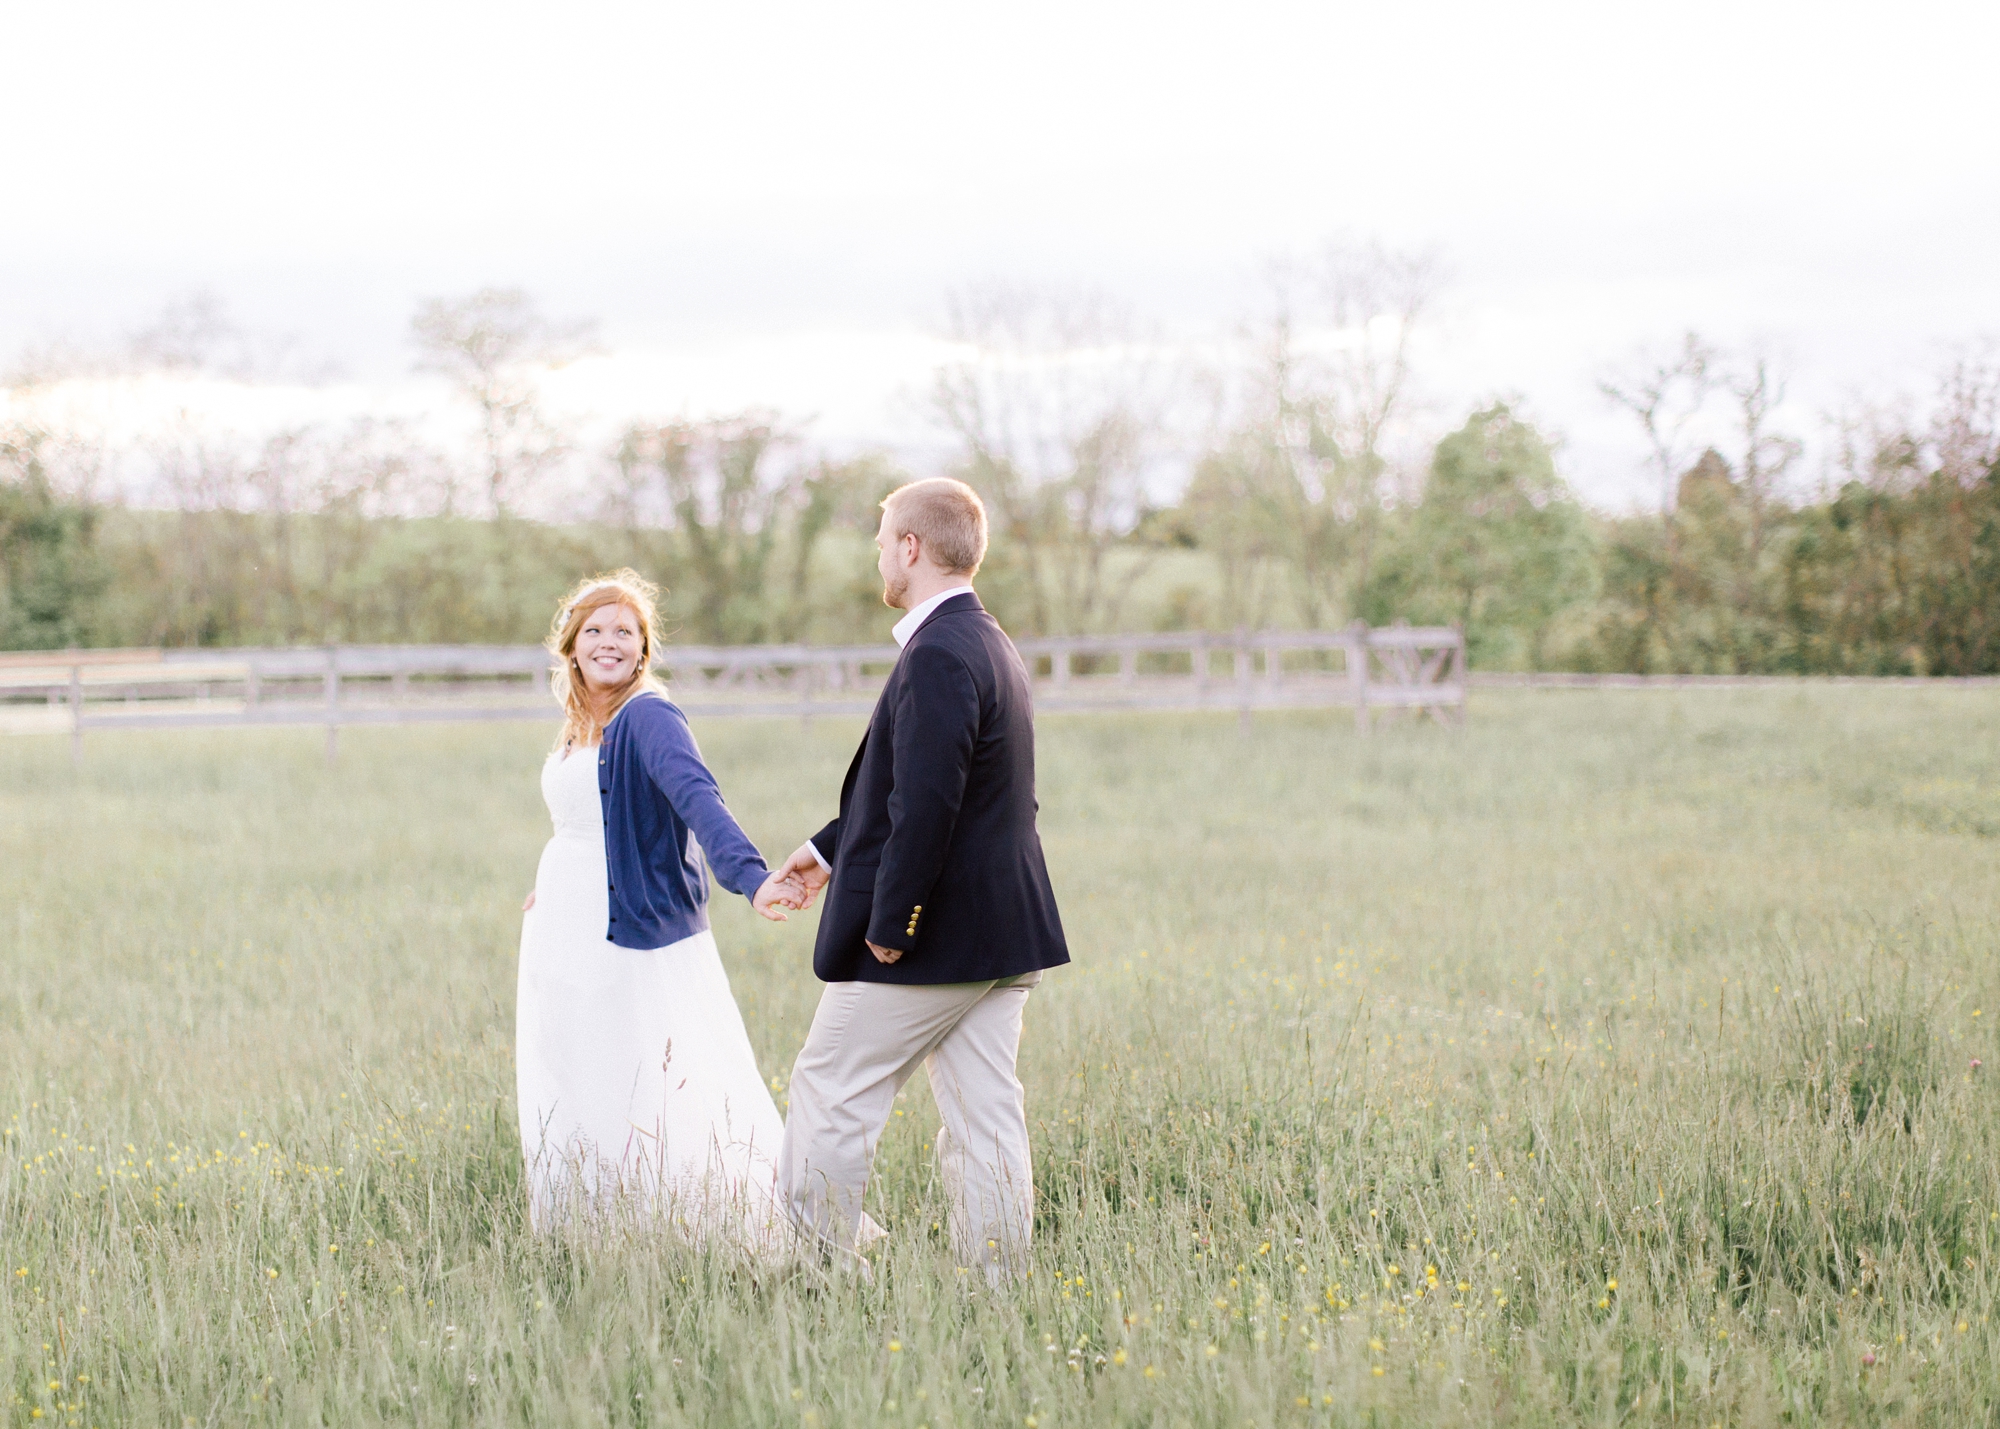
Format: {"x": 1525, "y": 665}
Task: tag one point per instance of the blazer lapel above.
{"x": 853, "y": 770}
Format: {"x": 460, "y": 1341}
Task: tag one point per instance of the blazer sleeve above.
{"x": 936, "y": 727}
{"x": 827, "y": 841}
{"x": 668, "y": 753}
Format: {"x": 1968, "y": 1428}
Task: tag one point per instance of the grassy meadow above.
{"x": 1613, "y": 1062}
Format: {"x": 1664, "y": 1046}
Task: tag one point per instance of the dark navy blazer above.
{"x": 662, "y": 811}
{"x": 935, "y": 850}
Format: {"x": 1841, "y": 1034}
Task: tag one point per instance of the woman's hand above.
{"x": 777, "y": 893}
{"x": 529, "y": 902}
{"x": 803, "y": 867}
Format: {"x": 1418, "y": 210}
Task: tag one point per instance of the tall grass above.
{"x": 1614, "y": 1062}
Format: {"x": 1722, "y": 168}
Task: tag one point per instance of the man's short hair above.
{"x": 947, "y": 518}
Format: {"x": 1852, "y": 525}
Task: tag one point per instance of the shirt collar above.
{"x": 911, "y": 623}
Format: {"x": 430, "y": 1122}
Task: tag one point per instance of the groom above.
{"x": 941, "y": 918}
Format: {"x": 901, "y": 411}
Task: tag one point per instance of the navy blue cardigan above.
{"x": 662, "y": 811}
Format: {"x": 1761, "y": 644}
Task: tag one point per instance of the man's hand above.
{"x": 779, "y": 892}
{"x": 803, "y": 866}
{"x": 884, "y": 955}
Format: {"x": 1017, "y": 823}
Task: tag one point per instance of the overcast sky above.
{"x": 767, "y": 203}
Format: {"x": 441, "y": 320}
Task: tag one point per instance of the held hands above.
{"x": 780, "y": 891}
{"x": 795, "y": 886}
{"x": 798, "y": 884}
{"x": 804, "y": 867}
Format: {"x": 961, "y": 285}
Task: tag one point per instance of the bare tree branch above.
{"x": 1767, "y": 454}
{"x": 494, "y": 345}
{"x": 1666, "y": 394}
{"x": 1331, "y": 387}
{"x": 1058, "y": 403}
{"x": 1965, "y": 423}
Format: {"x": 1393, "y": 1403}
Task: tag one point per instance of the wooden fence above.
{"x": 1392, "y": 669}
{"x": 1567, "y": 680}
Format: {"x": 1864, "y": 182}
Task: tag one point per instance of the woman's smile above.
{"x": 608, "y": 646}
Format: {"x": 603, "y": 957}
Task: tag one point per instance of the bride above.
{"x": 639, "y": 1093}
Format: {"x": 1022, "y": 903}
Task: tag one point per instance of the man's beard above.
{"x": 894, "y": 589}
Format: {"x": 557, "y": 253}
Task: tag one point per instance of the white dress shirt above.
{"x": 906, "y": 627}
{"x": 913, "y": 621}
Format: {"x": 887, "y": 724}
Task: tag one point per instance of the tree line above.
{"x": 1305, "y": 498}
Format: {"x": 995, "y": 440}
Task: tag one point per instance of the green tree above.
{"x": 836, "y": 589}
{"x": 1692, "y": 590}
{"x": 720, "y": 508}
{"x": 1500, "y": 543}
{"x": 1236, "y": 508}
{"x": 50, "y": 573}
{"x": 1898, "y": 574}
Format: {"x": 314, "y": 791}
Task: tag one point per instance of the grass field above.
{"x": 1614, "y": 1062}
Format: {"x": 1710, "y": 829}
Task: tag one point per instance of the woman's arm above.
{"x": 667, "y": 752}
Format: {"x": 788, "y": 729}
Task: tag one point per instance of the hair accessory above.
{"x": 570, "y": 609}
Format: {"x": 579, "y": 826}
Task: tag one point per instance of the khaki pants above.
{"x": 866, "y": 1041}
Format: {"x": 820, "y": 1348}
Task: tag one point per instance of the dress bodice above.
{"x": 569, "y": 786}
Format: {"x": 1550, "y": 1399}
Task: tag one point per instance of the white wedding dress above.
{"x": 640, "y": 1097}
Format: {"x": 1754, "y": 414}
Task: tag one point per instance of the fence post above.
{"x": 253, "y": 685}
{"x": 332, "y": 705}
{"x": 1455, "y": 670}
{"x": 1199, "y": 657}
{"x": 1128, "y": 664}
{"x": 1357, "y": 673}
{"x": 1059, "y": 659}
{"x": 76, "y": 714}
{"x": 1239, "y": 665}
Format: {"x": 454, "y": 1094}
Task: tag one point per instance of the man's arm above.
{"x": 936, "y": 727}
{"x": 825, "y": 844}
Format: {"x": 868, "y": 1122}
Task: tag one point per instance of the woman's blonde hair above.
{"x": 581, "y": 724}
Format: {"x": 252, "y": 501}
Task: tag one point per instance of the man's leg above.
{"x": 866, "y": 1040}
{"x": 983, "y": 1145}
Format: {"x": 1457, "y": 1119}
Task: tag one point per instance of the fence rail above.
{"x": 1393, "y": 668}
{"x": 1566, "y": 680}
